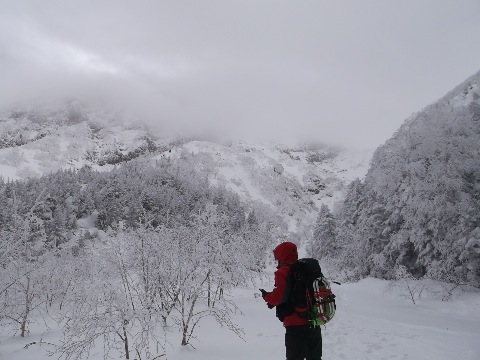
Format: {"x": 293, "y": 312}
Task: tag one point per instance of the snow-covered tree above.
{"x": 324, "y": 235}
{"x": 113, "y": 300}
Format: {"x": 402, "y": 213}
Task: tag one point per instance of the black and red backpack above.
{"x": 309, "y": 293}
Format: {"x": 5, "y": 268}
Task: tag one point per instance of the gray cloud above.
{"x": 344, "y": 72}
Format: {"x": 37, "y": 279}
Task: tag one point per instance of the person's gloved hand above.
{"x": 263, "y": 293}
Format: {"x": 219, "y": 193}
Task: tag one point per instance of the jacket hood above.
{"x": 286, "y": 253}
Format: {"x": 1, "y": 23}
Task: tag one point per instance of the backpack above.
{"x": 309, "y": 293}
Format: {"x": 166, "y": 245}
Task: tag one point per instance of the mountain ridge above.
{"x": 294, "y": 181}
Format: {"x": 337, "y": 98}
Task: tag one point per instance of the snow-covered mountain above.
{"x": 293, "y": 181}
{"x": 419, "y": 207}
{"x": 37, "y": 141}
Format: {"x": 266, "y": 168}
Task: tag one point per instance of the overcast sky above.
{"x": 340, "y": 71}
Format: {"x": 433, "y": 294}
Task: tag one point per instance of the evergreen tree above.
{"x": 324, "y": 235}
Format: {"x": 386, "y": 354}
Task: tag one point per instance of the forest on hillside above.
{"x": 126, "y": 254}
{"x": 418, "y": 210}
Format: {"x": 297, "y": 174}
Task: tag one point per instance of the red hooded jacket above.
{"x": 286, "y": 254}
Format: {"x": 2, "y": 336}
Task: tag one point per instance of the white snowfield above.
{"x": 370, "y": 324}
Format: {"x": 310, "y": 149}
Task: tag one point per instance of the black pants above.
{"x": 303, "y": 342}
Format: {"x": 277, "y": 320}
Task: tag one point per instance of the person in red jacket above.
{"x": 301, "y": 340}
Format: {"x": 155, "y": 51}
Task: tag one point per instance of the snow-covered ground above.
{"x": 370, "y": 324}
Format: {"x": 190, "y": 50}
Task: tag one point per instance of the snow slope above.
{"x": 295, "y": 182}
{"x": 370, "y": 324}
